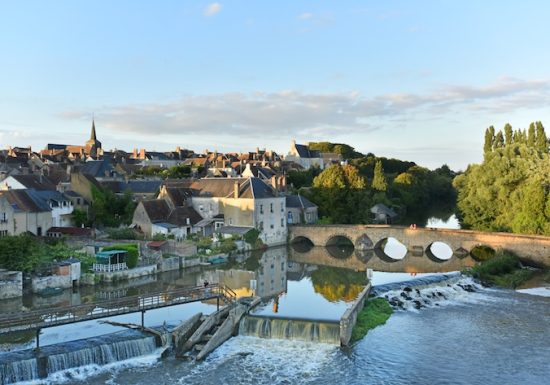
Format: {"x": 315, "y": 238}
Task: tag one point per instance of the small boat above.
{"x": 50, "y": 291}
{"x": 218, "y": 259}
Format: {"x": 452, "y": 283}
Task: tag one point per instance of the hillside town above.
{"x": 211, "y": 192}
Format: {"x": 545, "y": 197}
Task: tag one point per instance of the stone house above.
{"x": 382, "y": 214}
{"x": 243, "y": 202}
{"x": 300, "y": 210}
{"x": 24, "y": 211}
{"x": 302, "y": 155}
{"x": 157, "y": 217}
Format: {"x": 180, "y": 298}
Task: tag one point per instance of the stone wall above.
{"x": 532, "y": 248}
{"x": 51, "y": 282}
{"x": 348, "y": 320}
{"x": 11, "y": 284}
{"x": 168, "y": 264}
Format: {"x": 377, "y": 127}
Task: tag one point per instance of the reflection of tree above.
{"x": 338, "y": 284}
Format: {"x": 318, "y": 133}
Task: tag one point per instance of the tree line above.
{"x": 345, "y": 193}
{"x": 510, "y": 190}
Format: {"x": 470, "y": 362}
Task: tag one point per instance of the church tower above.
{"x": 93, "y": 146}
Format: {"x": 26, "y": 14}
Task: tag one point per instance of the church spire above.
{"x": 93, "y": 136}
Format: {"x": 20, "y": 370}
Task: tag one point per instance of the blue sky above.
{"x": 416, "y": 80}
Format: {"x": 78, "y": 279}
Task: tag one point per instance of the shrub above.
{"x": 482, "y": 253}
{"x": 251, "y": 236}
{"x": 227, "y": 246}
{"x": 124, "y": 233}
{"x": 503, "y": 269}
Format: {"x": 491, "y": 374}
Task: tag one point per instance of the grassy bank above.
{"x": 376, "y": 312}
{"x": 504, "y": 269}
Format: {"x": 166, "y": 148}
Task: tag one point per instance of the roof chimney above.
{"x": 236, "y": 190}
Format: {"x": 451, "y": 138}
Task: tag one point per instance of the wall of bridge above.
{"x": 532, "y": 248}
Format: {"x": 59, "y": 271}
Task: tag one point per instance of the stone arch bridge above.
{"x": 532, "y": 248}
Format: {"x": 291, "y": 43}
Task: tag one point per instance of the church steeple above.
{"x": 93, "y": 136}
{"x": 93, "y": 146}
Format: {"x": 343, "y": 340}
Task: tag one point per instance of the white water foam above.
{"x": 267, "y": 360}
{"x": 439, "y": 294}
{"x": 82, "y": 373}
{"x": 539, "y": 291}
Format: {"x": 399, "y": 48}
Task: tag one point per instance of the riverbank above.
{"x": 504, "y": 270}
{"x": 375, "y": 313}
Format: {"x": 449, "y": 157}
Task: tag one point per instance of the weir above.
{"x": 28, "y": 365}
{"x": 324, "y": 331}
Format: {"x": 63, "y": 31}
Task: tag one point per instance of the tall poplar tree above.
{"x": 499, "y": 140}
{"x": 379, "y": 181}
{"x": 508, "y": 134}
{"x": 531, "y": 135}
{"x": 489, "y": 139}
{"x": 541, "y": 142}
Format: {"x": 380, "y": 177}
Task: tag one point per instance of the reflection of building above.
{"x": 271, "y": 276}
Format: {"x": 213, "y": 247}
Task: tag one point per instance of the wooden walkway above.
{"x": 44, "y": 318}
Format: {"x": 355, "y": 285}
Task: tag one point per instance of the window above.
{"x": 77, "y": 201}
{"x": 282, "y": 207}
{"x": 3, "y": 218}
{"x": 261, "y": 209}
{"x": 201, "y": 208}
{"x": 271, "y": 207}
{"x": 282, "y": 222}
{"x": 3, "y": 233}
{"x": 290, "y": 217}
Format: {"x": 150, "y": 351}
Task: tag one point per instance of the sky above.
{"x": 415, "y": 80}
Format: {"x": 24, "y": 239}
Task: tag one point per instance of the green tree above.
{"x": 531, "y": 135}
{"x": 541, "y": 142}
{"x": 489, "y": 140}
{"x": 499, "y": 140}
{"x": 379, "y": 181}
{"x": 508, "y": 134}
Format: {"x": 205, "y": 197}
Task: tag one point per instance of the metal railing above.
{"x": 38, "y": 319}
{"x": 101, "y": 268}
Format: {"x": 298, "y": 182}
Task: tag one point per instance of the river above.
{"x": 480, "y": 336}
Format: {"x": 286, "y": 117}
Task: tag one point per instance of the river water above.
{"x": 484, "y": 336}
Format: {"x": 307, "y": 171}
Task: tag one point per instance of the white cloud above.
{"x": 270, "y": 117}
{"x": 212, "y": 9}
{"x": 306, "y": 16}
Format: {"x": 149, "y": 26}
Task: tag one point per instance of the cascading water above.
{"x": 429, "y": 291}
{"x": 104, "y": 353}
{"x": 27, "y": 365}
{"x": 17, "y": 370}
{"x": 291, "y": 329}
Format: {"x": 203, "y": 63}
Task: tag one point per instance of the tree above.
{"x": 379, "y": 181}
{"x": 508, "y": 134}
{"x": 541, "y": 141}
{"x": 499, "y": 140}
{"x": 531, "y": 136}
{"x": 489, "y": 140}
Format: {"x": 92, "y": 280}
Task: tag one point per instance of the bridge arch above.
{"x": 301, "y": 244}
{"x": 391, "y": 249}
{"x": 340, "y": 246}
{"x": 439, "y": 251}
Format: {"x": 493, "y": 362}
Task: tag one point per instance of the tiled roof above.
{"x": 224, "y": 188}
{"x": 36, "y": 182}
{"x": 299, "y": 201}
{"x": 26, "y": 200}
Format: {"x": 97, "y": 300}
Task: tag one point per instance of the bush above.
{"x": 482, "y": 253}
{"x": 251, "y": 236}
{"x": 124, "y": 233}
{"x": 503, "y": 269}
{"x": 227, "y": 246}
